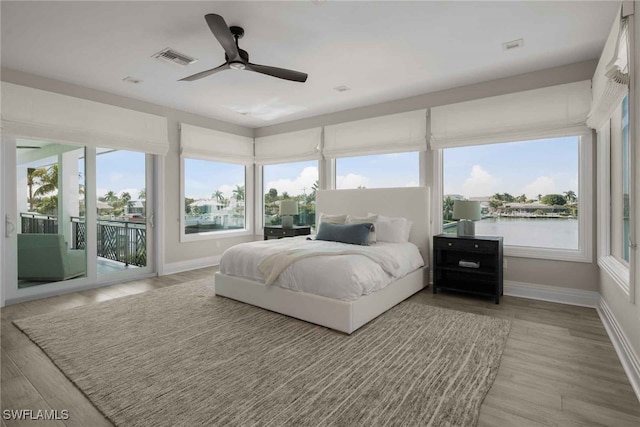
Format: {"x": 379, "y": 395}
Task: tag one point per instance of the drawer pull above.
{"x": 450, "y": 244}
{"x": 475, "y": 246}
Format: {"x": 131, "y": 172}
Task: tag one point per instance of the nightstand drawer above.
{"x": 275, "y": 232}
{"x": 466, "y": 245}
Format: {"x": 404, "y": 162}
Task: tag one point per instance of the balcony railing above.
{"x": 38, "y": 224}
{"x": 118, "y": 240}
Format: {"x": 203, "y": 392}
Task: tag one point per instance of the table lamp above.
{"x": 466, "y": 211}
{"x": 287, "y": 209}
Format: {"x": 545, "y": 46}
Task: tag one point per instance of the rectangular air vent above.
{"x": 174, "y": 57}
{"x": 514, "y": 44}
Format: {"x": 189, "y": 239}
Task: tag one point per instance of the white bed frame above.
{"x": 346, "y": 316}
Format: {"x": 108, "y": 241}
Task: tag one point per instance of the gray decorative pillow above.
{"x": 354, "y": 234}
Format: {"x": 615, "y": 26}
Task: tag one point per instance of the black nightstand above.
{"x": 277, "y": 232}
{"x": 479, "y": 273}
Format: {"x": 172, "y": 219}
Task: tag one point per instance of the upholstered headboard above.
{"x": 408, "y": 202}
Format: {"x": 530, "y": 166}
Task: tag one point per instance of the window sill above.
{"x": 549, "y": 253}
{"x": 617, "y": 271}
{"x": 214, "y": 235}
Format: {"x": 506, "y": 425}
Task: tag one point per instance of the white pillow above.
{"x": 365, "y": 220}
{"x": 331, "y": 219}
{"x": 407, "y": 230}
{"x": 390, "y": 229}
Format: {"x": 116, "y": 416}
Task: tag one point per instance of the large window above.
{"x": 378, "y": 171}
{"x": 297, "y": 181}
{"x": 529, "y": 191}
{"x": 214, "y": 197}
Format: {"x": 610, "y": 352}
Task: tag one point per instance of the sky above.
{"x": 530, "y": 167}
{"x": 120, "y": 171}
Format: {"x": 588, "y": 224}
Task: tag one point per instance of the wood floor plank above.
{"x": 559, "y": 367}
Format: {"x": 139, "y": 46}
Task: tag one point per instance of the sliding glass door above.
{"x": 74, "y": 216}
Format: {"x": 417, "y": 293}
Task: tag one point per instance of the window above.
{"x": 214, "y": 197}
{"x": 532, "y": 193}
{"x": 620, "y": 183}
{"x": 614, "y": 201}
{"x": 378, "y": 171}
{"x": 297, "y": 181}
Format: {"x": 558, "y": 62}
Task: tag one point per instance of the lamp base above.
{"x": 287, "y": 221}
{"x": 466, "y": 228}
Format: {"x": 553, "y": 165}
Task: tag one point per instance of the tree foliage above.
{"x": 554, "y": 200}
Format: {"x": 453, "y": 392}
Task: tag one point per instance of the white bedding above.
{"x": 343, "y": 277}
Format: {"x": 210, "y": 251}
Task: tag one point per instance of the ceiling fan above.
{"x": 237, "y": 58}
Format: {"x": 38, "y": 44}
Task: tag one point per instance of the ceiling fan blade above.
{"x": 281, "y": 73}
{"x": 220, "y": 29}
{"x": 206, "y": 73}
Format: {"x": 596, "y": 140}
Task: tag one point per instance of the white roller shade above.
{"x": 380, "y": 135}
{"x": 289, "y": 147}
{"x": 38, "y": 114}
{"x": 532, "y": 114}
{"x": 611, "y": 79}
{"x": 209, "y": 144}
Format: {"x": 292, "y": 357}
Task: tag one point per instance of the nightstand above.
{"x": 472, "y": 265}
{"x": 277, "y": 232}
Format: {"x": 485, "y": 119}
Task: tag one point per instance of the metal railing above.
{"x": 38, "y": 224}
{"x": 118, "y": 240}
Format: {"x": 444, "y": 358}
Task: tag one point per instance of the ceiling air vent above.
{"x": 514, "y": 44}
{"x": 174, "y": 57}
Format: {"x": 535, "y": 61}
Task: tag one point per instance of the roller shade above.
{"x": 532, "y": 114}
{"x": 208, "y": 144}
{"x": 38, "y": 114}
{"x": 380, "y": 135}
{"x": 289, "y": 147}
{"x": 611, "y": 78}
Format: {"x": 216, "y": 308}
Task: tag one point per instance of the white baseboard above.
{"x": 551, "y": 293}
{"x": 192, "y": 264}
{"x": 628, "y": 357}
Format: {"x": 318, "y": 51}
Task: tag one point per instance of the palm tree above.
{"x": 539, "y": 198}
{"x": 143, "y": 194}
{"x": 522, "y": 198}
{"x": 46, "y": 179}
{"x": 570, "y": 196}
{"x": 218, "y": 196}
{"x": 238, "y": 193}
{"x": 447, "y": 208}
{"x": 30, "y": 183}
{"x": 125, "y": 196}
{"x": 109, "y": 197}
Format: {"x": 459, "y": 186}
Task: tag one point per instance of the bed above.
{"x": 340, "y": 314}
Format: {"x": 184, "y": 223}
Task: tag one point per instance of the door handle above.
{"x": 9, "y": 227}
{"x": 152, "y": 219}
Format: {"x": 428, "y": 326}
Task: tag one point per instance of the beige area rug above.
{"x": 182, "y": 356}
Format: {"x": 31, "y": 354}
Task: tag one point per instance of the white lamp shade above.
{"x": 288, "y": 207}
{"x": 466, "y": 209}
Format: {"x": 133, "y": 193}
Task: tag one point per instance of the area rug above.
{"x": 182, "y": 356}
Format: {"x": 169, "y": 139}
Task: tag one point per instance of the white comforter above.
{"x": 345, "y": 277}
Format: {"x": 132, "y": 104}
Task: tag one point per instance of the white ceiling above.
{"x": 382, "y": 50}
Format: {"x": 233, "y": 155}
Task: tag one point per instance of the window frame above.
{"x": 620, "y": 272}
{"x": 584, "y": 253}
{"x": 248, "y": 206}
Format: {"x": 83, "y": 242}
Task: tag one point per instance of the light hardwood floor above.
{"x": 559, "y": 367}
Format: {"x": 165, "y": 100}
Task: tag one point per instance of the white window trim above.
{"x": 584, "y": 253}
{"x": 215, "y": 235}
{"x": 618, "y": 271}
